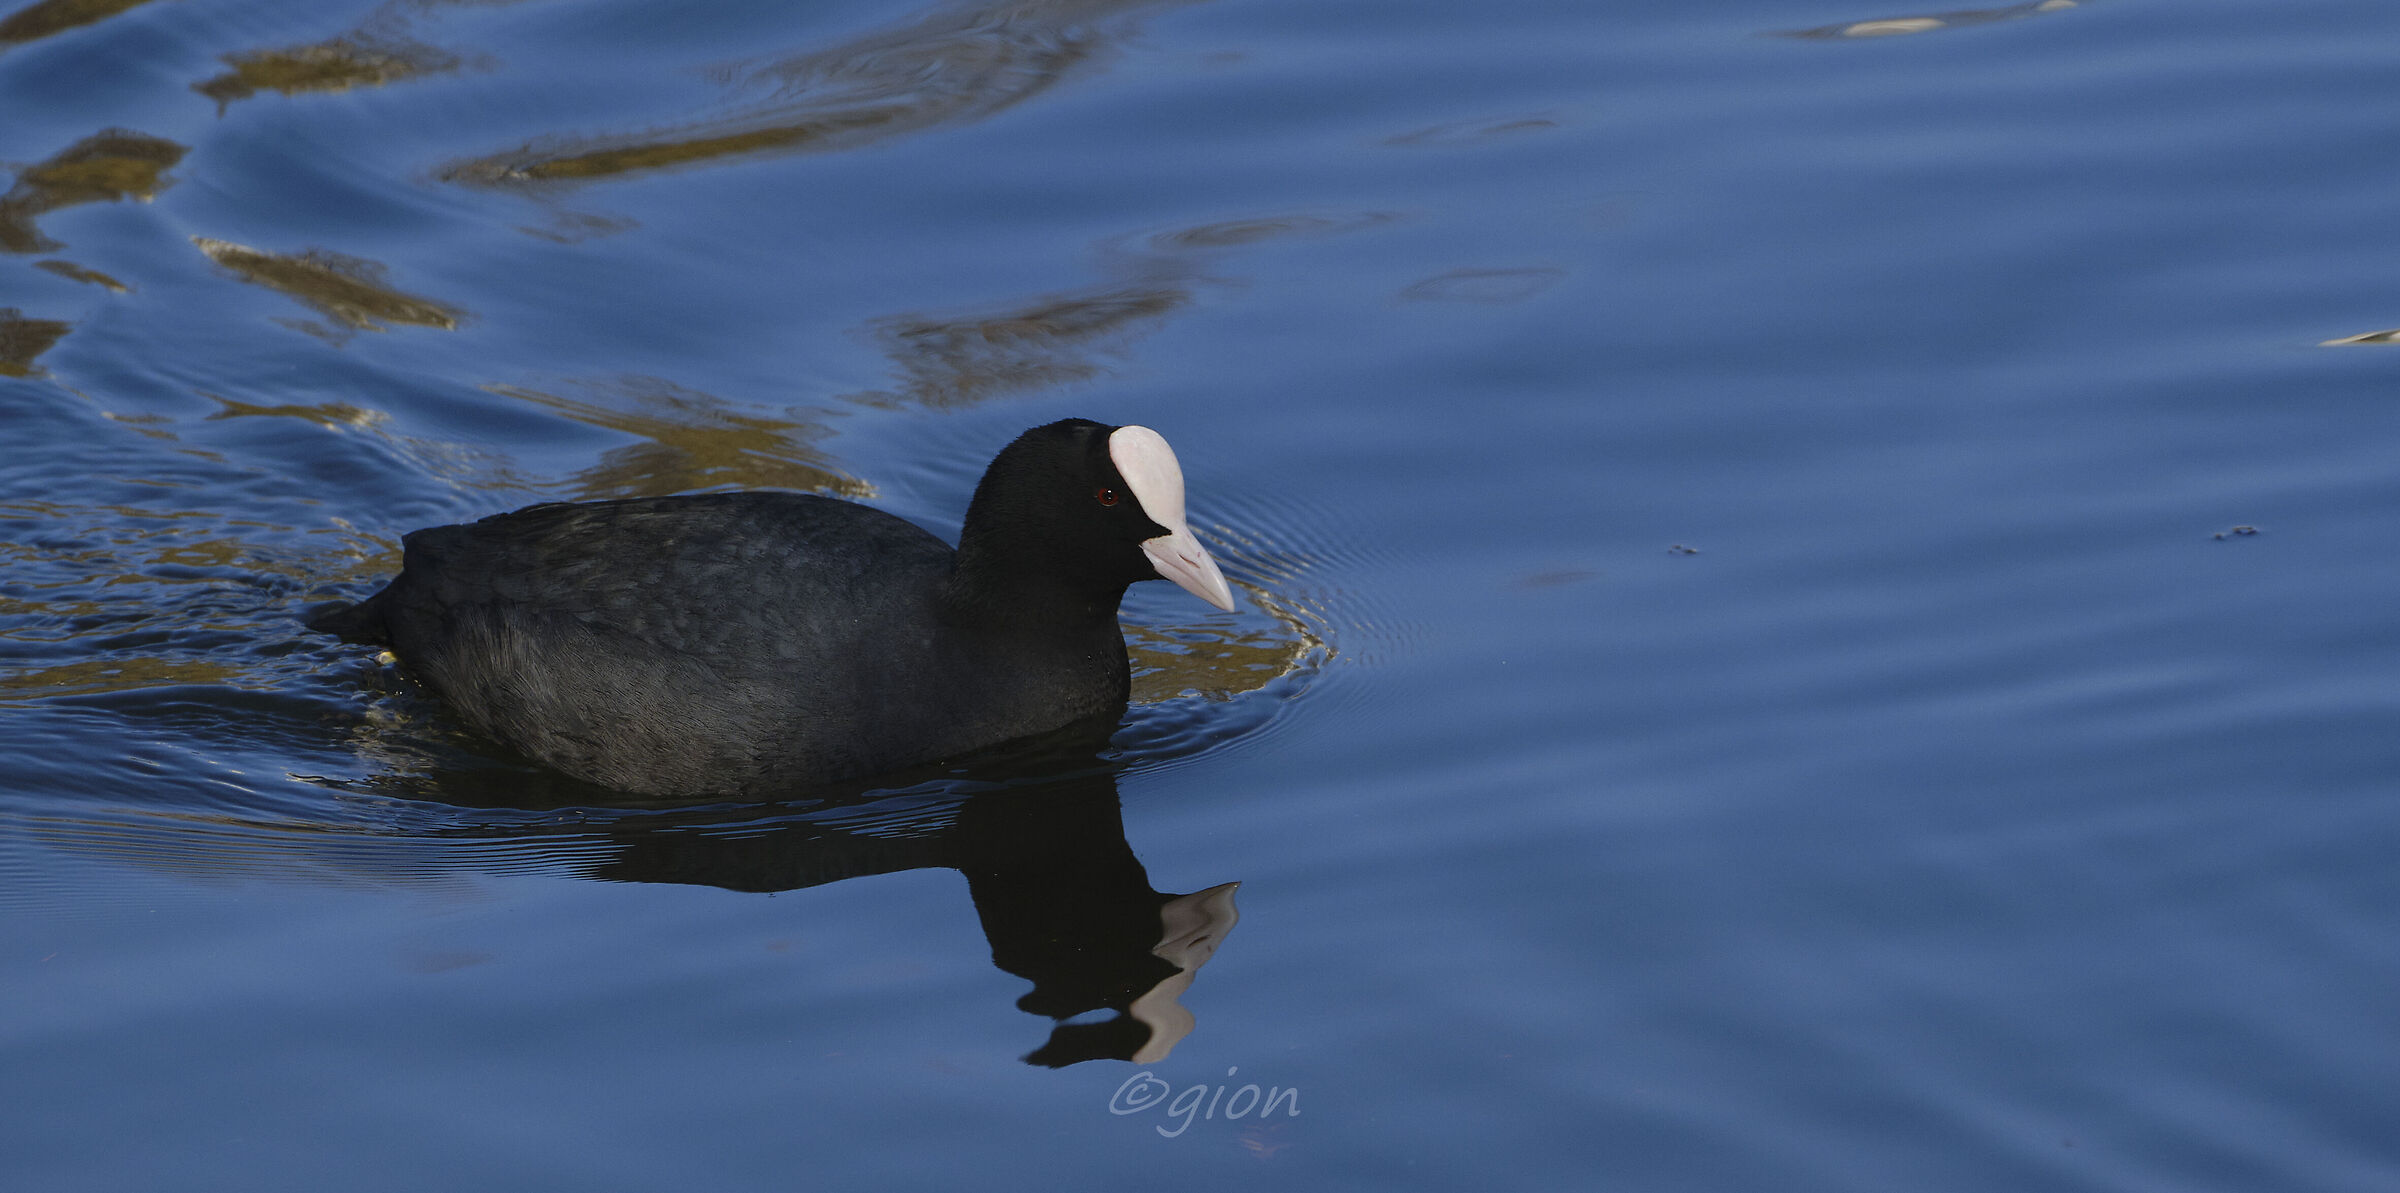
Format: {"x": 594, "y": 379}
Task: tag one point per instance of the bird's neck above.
{"x": 1035, "y": 600}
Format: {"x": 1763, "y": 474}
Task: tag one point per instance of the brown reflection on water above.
{"x": 1484, "y": 285}
{"x": 1899, "y": 26}
{"x": 952, "y": 66}
{"x": 331, "y": 415}
{"x": 114, "y": 674}
{"x": 76, "y": 273}
{"x": 461, "y": 463}
{"x": 1213, "y": 662}
{"x": 351, "y": 60}
{"x": 1472, "y": 132}
{"x": 1219, "y": 662}
{"x": 958, "y": 361}
{"x": 22, "y": 339}
{"x": 1239, "y": 233}
{"x": 350, "y": 291}
{"x": 148, "y": 597}
{"x": 38, "y": 21}
{"x": 691, "y": 440}
{"x": 378, "y": 52}
{"x": 109, "y": 165}
{"x": 950, "y": 361}
{"x": 85, "y": 554}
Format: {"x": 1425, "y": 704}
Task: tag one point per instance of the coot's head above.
{"x": 1088, "y": 505}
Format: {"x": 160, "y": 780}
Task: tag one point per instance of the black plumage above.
{"x": 755, "y": 643}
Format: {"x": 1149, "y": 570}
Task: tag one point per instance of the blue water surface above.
{"x": 1817, "y": 593}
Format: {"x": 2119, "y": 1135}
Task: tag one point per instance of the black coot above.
{"x": 752, "y": 643}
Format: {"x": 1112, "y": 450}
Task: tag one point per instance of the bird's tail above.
{"x": 359, "y": 622}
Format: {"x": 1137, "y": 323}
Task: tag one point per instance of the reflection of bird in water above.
{"x": 1063, "y": 901}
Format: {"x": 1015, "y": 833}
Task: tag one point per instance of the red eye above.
{"x": 1105, "y": 496}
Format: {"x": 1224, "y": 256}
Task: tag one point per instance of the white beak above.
{"x": 1148, "y": 465}
{"x": 1181, "y": 558}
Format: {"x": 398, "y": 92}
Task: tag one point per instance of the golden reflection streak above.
{"x": 89, "y": 550}
{"x": 352, "y": 60}
{"x": 22, "y": 339}
{"x": 76, "y": 273}
{"x": 14, "y": 607}
{"x": 1241, "y": 233}
{"x": 1900, "y": 26}
{"x": 454, "y": 460}
{"x": 956, "y": 362}
{"x": 951, "y": 67}
{"x": 114, "y": 674}
{"x": 61, "y": 512}
{"x": 38, "y": 21}
{"x": 1221, "y": 662}
{"x": 109, "y": 165}
{"x": 349, "y": 290}
{"x": 691, "y": 440}
{"x": 949, "y": 362}
{"x": 124, "y": 554}
{"x": 330, "y": 415}
{"x": 376, "y": 53}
